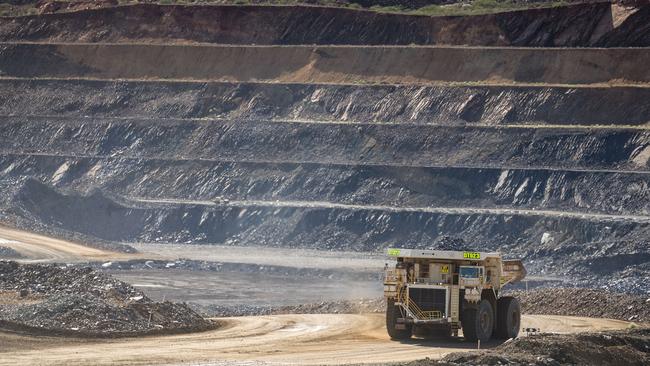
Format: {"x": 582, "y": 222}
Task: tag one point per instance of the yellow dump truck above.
{"x": 445, "y": 291}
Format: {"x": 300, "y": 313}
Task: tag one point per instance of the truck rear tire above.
{"x": 478, "y": 323}
{"x": 508, "y": 318}
{"x": 392, "y": 314}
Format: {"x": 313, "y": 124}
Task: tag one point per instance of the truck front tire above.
{"x": 478, "y": 323}
{"x": 392, "y": 314}
{"x": 508, "y": 318}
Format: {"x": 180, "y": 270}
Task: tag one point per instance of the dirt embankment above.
{"x": 327, "y": 64}
{"x": 571, "y": 26}
{"x": 46, "y": 299}
{"x": 480, "y": 105}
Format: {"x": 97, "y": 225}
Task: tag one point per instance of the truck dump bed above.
{"x": 512, "y": 271}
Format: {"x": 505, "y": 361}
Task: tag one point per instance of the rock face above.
{"x": 570, "y": 26}
{"x": 84, "y": 302}
{"x": 374, "y": 144}
{"x": 386, "y": 104}
{"x": 633, "y": 32}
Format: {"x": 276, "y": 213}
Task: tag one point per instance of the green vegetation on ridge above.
{"x": 471, "y": 8}
{"x": 467, "y": 7}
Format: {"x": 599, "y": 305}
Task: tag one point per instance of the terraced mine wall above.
{"x": 401, "y": 145}
{"x": 572, "y": 26}
{"x": 326, "y": 64}
{"x": 615, "y": 245}
{"x": 308, "y": 225}
{"x": 484, "y": 104}
{"x": 542, "y": 153}
{"x": 380, "y": 185}
{"x": 396, "y": 104}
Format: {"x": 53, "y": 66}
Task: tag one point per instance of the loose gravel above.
{"x": 361, "y": 306}
{"x": 9, "y": 253}
{"x": 585, "y": 302}
{"x": 85, "y": 302}
{"x": 628, "y": 347}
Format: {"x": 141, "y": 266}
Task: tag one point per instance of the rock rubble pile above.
{"x": 628, "y": 347}
{"x": 9, "y": 253}
{"x": 85, "y": 302}
{"x": 585, "y": 302}
{"x": 361, "y": 306}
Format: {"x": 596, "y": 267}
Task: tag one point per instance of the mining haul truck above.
{"x": 437, "y": 291}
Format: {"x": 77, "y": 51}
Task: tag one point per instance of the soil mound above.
{"x": 80, "y": 301}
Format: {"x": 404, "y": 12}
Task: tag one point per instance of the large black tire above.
{"x": 392, "y": 313}
{"x": 478, "y": 323}
{"x": 508, "y": 318}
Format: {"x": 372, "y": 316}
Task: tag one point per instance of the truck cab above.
{"x": 446, "y": 291}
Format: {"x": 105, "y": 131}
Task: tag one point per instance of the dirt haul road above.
{"x": 40, "y": 248}
{"x": 280, "y": 339}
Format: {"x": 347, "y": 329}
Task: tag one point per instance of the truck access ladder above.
{"x": 454, "y": 306}
{"x": 413, "y": 310}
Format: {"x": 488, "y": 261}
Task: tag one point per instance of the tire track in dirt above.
{"x": 280, "y": 339}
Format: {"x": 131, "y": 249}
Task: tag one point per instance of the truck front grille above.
{"x": 429, "y": 299}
